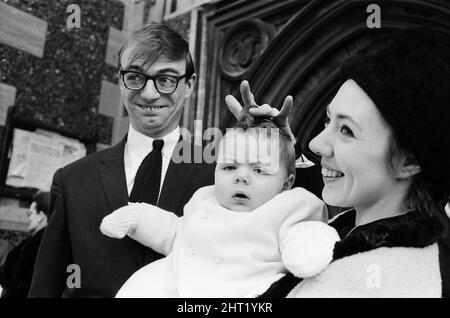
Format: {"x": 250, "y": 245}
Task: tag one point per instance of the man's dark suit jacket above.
{"x": 16, "y": 273}
{"x": 82, "y": 194}
{"x": 444, "y": 260}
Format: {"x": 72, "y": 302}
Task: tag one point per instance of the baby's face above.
{"x": 248, "y": 172}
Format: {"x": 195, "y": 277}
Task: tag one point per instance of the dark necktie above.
{"x": 148, "y": 177}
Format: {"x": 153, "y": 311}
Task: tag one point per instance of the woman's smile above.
{"x": 330, "y": 174}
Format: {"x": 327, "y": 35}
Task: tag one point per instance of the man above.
{"x": 156, "y": 76}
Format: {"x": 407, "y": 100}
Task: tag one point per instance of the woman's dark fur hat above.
{"x": 407, "y": 76}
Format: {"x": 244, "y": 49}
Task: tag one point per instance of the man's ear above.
{"x": 42, "y": 217}
{"x": 190, "y": 83}
{"x": 407, "y": 167}
{"x": 289, "y": 182}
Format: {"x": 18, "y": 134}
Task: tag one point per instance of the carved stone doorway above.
{"x": 290, "y": 48}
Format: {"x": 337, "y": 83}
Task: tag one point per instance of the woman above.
{"x": 17, "y": 272}
{"x": 385, "y": 152}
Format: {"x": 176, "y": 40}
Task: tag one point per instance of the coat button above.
{"x": 218, "y": 260}
{"x": 189, "y": 252}
{"x": 203, "y": 215}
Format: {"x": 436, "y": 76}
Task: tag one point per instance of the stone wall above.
{"x": 61, "y": 89}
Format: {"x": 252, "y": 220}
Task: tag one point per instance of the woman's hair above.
{"x": 42, "y": 200}
{"x": 287, "y": 151}
{"x": 406, "y": 74}
{"x": 419, "y": 197}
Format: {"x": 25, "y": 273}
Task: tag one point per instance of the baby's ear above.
{"x": 289, "y": 182}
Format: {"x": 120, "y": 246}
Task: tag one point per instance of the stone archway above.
{"x": 304, "y": 57}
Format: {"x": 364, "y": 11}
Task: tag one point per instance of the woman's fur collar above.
{"x": 407, "y": 230}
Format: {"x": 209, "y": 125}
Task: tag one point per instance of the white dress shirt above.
{"x": 138, "y": 146}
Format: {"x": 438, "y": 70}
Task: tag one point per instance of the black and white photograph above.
{"x": 224, "y": 156}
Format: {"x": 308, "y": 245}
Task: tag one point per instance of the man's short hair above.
{"x": 42, "y": 200}
{"x": 156, "y": 40}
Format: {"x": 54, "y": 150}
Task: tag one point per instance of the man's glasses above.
{"x": 165, "y": 84}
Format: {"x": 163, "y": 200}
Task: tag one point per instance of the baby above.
{"x": 237, "y": 237}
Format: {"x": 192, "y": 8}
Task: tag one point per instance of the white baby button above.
{"x": 189, "y": 252}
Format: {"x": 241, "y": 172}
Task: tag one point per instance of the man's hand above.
{"x": 123, "y": 220}
{"x": 279, "y": 117}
